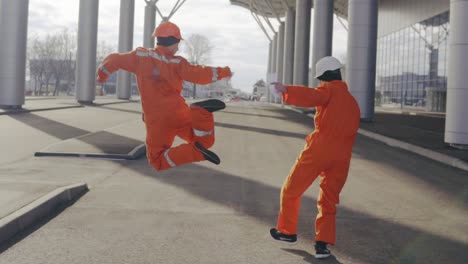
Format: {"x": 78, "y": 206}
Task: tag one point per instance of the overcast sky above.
{"x": 241, "y": 44}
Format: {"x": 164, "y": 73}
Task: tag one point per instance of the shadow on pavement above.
{"x": 360, "y": 236}
{"x": 105, "y": 141}
{"x": 51, "y": 127}
{"x": 453, "y": 182}
{"x": 36, "y": 226}
{"x": 262, "y": 130}
{"x": 117, "y": 109}
{"x": 309, "y": 258}
{"x": 255, "y": 115}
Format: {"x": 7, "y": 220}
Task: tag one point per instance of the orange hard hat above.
{"x": 167, "y": 29}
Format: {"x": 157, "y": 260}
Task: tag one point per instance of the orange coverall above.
{"x": 160, "y": 76}
{"x": 327, "y": 154}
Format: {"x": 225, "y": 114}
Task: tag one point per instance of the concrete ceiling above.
{"x": 277, "y": 8}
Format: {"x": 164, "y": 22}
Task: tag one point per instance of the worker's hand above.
{"x": 101, "y": 75}
{"x": 279, "y": 87}
{"x": 224, "y": 72}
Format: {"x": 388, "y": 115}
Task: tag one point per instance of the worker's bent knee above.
{"x": 158, "y": 161}
{"x": 159, "y": 166}
{"x": 207, "y": 141}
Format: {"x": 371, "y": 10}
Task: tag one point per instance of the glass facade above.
{"x": 412, "y": 66}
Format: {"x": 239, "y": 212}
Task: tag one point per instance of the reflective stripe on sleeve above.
{"x": 201, "y": 133}
{"x": 142, "y": 53}
{"x": 105, "y": 70}
{"x": 215, "y": 74}
{"x": 168, "y": 159}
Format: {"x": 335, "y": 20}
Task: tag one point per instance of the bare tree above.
{"x": 198, "y": 49}
{"x": 52, "y": 57}
{"x": 103, "y": 50}
{"x": 63, "y": 65}
{"x": 40, "y": 55}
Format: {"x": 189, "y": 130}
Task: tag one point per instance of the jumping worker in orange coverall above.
{"x": 160, "y": 75}
{"x": 327, "y": 154}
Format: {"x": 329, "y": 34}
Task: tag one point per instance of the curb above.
{"x": 442, "y": 158}
{"x": 433, "y": 155}
{"x": 28, "y": 215}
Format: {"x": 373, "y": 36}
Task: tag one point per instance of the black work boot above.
{"x": 209, "y": 155}
{"x": 321, "y": 250}
{"x": 211, "y": 105}
{"x": 285, "y": 239}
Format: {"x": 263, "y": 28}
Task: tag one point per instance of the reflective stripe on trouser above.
{"x": 160, "y": 138}
{"x": 302, "y": 175}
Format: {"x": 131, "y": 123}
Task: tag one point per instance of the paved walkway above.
{"x": 421, "y": 129}
{"x": 397, "y": 207}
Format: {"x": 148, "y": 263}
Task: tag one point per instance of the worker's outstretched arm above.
{"x": 202, "y": 74}
{"x": 303, "y": 96}
{"x": 116, "y": 61}
{"x": 306, "y": 97}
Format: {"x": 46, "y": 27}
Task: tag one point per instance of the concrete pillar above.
{"x": 274, "y": 53}
{"x": 273, "y": 61}
{"x": 322, "y": 35}
{"x": 456, "y": 125}
{"x": 85, "y": 87}
{"x": 302, "y": 42}
{"x": 270, "y": 55}
{"x": 13, "y": 39}
{"x": 270, "y": 59}
{"x": 288, "y": 60}
{"x": 127, "y": 13}
{"x": 280, "y": 53}
{"x": 280, "y": 57}
{"x": 150, "y": 23}
{"x": 362, "y": 48}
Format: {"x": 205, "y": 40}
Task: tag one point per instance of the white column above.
{"x": 13, "y": 39}
{"x": 280, "y": 53}
{"x": 362, "y": 48}
{"x": 85, "y": 86}
{"x": 273, "y": 61}
{"x": 289, "y": 46}
{"x": 456, "y": 125}
{"x": 302, "y": 42}
{"x": 280, "y": 57}
{"x": 127, "y": 13}
{"x": 150, "y": 23}
{"x": 322, "y": 34}
{"x": 270, "y": 59}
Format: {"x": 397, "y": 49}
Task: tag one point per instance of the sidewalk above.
{"x": 33, "y": 188}
{"x": 238, "y": 197}
{"x": 418, "y": 132}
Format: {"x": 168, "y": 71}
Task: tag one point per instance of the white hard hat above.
{"x": 327, "y": 63}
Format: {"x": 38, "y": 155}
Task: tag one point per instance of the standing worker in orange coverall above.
{"x": 327, "y": 154}
{"x": 160, "y": 75}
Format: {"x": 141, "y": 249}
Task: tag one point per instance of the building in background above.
{"x": 412, "y": 64}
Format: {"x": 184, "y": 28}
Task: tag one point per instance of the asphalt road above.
{"x": 396, "y": 207}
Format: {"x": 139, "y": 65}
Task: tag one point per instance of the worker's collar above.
{"x": 164, "y": 51}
